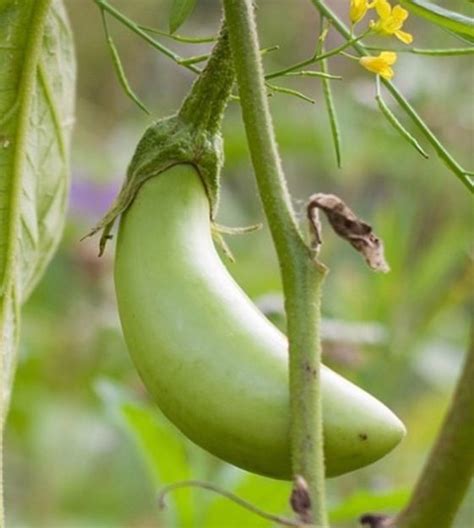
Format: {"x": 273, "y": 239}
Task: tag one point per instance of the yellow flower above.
{"x": 391, "y": 21}
{"x": 380, "y": 64}
{"x": 358, "y": 10}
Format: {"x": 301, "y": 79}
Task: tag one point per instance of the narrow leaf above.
{"x": 451, "y": 20}
{"x": 37, "y": 78}
{"x": 461, "y": 38}
{"x": 435, "y": 142}
{"x": 392, "y": 119}
{"x": 180, "y": 11}
{"x": 122, "y": 77}
{"x": 331, "y": 109}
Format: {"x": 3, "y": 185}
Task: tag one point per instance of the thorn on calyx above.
{"x": 300, "y": 500}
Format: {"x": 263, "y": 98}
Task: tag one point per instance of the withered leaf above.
{"x": 349, "y": 227}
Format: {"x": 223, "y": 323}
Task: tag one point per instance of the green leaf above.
{"x": 160, "y": 444}
{"x": 180, "y": 11}
{"x": 163, "y": 451}
{"x": 366, "y": 501}
{"x": 458, "y": 23}
{"x": 37, "y": 79}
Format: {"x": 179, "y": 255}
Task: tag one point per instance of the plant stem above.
{"x": 301, "y": 275}
{"x": 447, "y": 52}
{"x": 315, "y": 58}
{"x": 450, "y": 466}
{"x": 178, "y": 38}
{"x": 103, "y": 4}
{"x": 228, "y": 495}
{"x": 204, "y": 106}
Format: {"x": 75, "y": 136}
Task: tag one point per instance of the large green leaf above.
{"x": 37, "y": 79}
{"x": 363, "y": 501}
{"x": 458, "y": 23}
{"x": 161, "y": 445}
{"x": 164, "y": 453}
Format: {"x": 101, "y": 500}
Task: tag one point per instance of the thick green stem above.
{"x": 448, "y": 472}
{"x": 450, "y": 466}
{"x": 205, "y": 104}
{"x": 190, "y": 136}
{"x": 302, "y": 277}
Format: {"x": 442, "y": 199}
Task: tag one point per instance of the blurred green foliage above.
{"x": 84, "y": 446}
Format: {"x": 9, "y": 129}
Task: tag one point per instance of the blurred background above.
{"x": 84, "y": 446}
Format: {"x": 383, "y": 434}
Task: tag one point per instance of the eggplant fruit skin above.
{"x": 213, "y": 363}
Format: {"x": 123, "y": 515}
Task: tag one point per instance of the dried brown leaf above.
{"x": 349, "y": 227}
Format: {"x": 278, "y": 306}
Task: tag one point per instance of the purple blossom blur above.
{"x": 90, "y": 200}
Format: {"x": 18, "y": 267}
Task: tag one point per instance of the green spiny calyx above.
{"x": 191, "y": 136}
